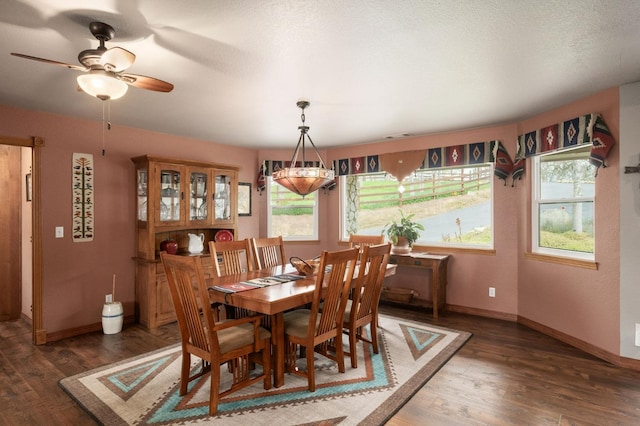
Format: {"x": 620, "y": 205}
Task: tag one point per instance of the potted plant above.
{"x": 403, "y": 234}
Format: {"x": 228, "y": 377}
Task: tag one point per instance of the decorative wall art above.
{"x": 82, "y": 187}
{"x": 244, "y": 199}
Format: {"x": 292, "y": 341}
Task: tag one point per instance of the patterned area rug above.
{"x": 144, "y": 390}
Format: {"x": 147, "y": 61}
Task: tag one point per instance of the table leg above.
{"x": 277, "y": 338}
{"x": 435, "y": 285}
{"x": 443, "y": 283}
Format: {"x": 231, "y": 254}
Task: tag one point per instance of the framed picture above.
{"x": 244, "y": 199}
{"x": 29, "y": 187}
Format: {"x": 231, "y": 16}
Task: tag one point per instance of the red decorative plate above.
{"x": 223, "y": 235}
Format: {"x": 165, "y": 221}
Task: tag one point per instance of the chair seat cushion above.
{"x": 296, "y": 323}
{"x": 239, "y": 336}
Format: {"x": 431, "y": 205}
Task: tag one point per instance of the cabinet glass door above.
{"x": 223, "y": 198}
{"x": 142, "y": 194}
{"x": 198, "y": 190}
{"x": 170, "y": 195}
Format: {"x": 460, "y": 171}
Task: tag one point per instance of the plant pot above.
{"x": 401, "y": 247}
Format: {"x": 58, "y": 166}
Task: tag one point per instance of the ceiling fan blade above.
{"x": 117, "y": 59}
{"x": 49, "y": 61}
{"x": 144, "y": 82}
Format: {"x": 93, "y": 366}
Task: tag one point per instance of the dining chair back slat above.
{"x": 268, "y": 252}
{"x": 361, "y": 241}
{"x": 231, "y": 257}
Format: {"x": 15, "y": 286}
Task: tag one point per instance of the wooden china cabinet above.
{"x": 176, "y": 198}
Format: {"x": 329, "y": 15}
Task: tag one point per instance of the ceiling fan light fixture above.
{"x": 306, "y": 179}
{"x": 102, "y": 85}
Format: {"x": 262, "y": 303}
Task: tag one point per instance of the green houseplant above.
{"x": 403, "y": 233}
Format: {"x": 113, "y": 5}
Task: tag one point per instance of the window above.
{"x": 291, "y": 215}
{"x": 454, "y": 205}
{"x": 563, "y": 204}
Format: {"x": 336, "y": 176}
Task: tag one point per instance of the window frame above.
{"x": 536, "y": 202}
{"x": 343, "y": 234}
{"x": 268, "y": 182}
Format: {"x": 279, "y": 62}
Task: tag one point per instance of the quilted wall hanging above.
{"x": 82, "y": 187}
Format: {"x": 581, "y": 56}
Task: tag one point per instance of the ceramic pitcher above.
{"x": 196, "y": 243}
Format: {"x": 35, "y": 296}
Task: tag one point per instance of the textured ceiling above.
{"x": 371, "y": 69}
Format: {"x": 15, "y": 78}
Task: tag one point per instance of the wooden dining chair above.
{"x": 315, "y": 331}
{"x": 360, "y": 241}
{"x": 229, "y": 258}
{"x": 268, "y": 252}
{"x": 236, "y": 343}
{"x": 362, "y": 308}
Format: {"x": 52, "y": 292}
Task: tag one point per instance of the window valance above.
{"x": 431, "y": 158}
{"x": 586, "y": 129}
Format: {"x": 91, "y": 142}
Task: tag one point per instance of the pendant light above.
{"x": 305, "y": 179}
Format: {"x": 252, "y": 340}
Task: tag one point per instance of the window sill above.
{"x": 578, "y": 263}
{"x": 461, "y": 250}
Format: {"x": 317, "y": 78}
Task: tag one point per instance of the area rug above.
{"x": 145, "y": 390}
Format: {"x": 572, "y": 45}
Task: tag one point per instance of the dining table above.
{"x": 271, "y": 300}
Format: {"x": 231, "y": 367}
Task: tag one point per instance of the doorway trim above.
{"x": 35, "y": 143}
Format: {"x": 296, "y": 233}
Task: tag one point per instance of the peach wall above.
{"x": 582, "y": 303}
{"x": 76, "y": 276}
{"x": 579, "y": 302}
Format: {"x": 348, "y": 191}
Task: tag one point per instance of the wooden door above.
{"x": 11, "y": 232}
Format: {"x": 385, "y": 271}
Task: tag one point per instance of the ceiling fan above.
{"x": 105, "y": 77}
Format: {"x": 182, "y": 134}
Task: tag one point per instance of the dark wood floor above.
{"x": 505, "y": 375}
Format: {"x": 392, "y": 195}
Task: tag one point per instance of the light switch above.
{"x": 59, "y": 231}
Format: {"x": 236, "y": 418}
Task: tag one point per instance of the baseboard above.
{"x": 482, "y": 313}
{"x": 617, "y": 360}
{"x": 89, "y": 328}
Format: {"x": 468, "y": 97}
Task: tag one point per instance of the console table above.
{"x": 437, "y": 263}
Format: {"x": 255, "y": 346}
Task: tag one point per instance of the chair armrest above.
{"x": 239, "y": 321}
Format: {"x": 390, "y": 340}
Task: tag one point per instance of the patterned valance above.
{"x": 450, "y": 156}
{"x": 586, "y": 129}
{"x": 435, "y": 158}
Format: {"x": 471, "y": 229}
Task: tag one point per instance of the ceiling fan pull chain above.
{"x": 106, "y": 122}
{"x": 103, "y": 125}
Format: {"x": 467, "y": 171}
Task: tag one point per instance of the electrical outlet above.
{"x": 637, "y": 334}
{"x": 492, "y": 292}
{"x": 59, "y": 231}
{"x": 108, "y": 298}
